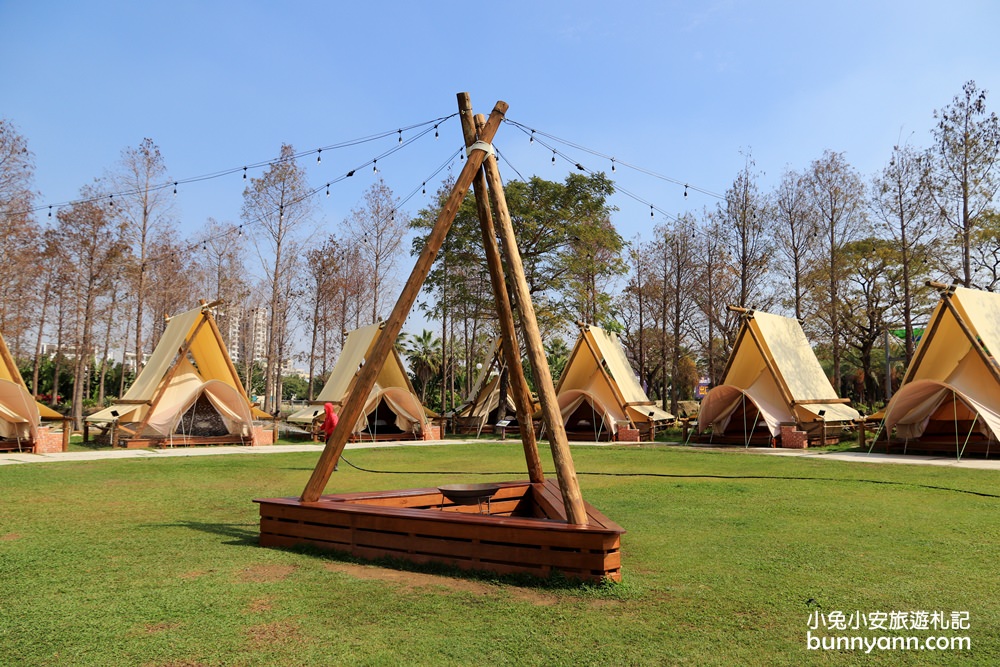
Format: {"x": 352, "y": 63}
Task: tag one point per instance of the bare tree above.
{"x": 965, "y": 177}
{"x": 794, "y": 233}
{"x": 900, "y": 201}
{"x": 378, "y": 226}
{"x": 93, "y": 243}
{"x": 276, "y": 207}
{"x": 19, "y": 233}
{"x": 836, "y": 198}
{"x": 145, "y": 206}
{"x": 745, "y": 216}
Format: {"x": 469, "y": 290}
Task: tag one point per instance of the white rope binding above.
{"x": 483, "y": 146}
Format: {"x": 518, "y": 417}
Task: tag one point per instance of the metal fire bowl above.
{"x": 468, "y": 494}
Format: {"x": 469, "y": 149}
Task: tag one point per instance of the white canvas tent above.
{"x": 20, "y": 414}
{"x": 951, "y": 391}
{"x": 598, "y": 392}
{"x": 392, "y": 408}
{"x": 188, "y": 390}
{"x": 773, "y": 378}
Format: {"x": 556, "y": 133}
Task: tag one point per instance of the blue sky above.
{"x": 682, "y": 89}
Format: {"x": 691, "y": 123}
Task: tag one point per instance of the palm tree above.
{"x": 423, "y": 353}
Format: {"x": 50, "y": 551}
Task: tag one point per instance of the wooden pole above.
{"x": 576, "y": 513}
{"x": 508, "y": 337}
{"x": 354, "y": 404}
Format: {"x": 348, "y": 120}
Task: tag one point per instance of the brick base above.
{"x": 48, "y": 442}
{"x": 432, "y": 432}
{"x": 627, "y": 435}
{"x": 793, "y": 439}
{"x": 262, "y": 436}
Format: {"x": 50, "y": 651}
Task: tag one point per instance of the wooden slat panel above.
{"x": 310, "y": 531}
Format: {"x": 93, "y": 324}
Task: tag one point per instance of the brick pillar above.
{"x": 793, "y": 439}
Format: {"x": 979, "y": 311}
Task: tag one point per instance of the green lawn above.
{"x": 154, "y": 562}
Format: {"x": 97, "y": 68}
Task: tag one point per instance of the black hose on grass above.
{"x": 679, "y": 476}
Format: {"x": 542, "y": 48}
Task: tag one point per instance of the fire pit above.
{"x": 470, "y": 494}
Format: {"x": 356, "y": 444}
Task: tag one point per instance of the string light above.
{"x": 553, "y": 157}
{"x": 327, "y": 189}
{"x": 319, "y": 156}
{"x": 400, "y": 136}
{"x": 111, "y": 201}
{"x": 50, "y": 211}
{"x": 531, "y": 139}
{"x": 612, "y": 165}
{"x": 435, "y": 132}
{"x": 175, "y": 188}
{"x": 281, "y": 212}
{"x": 651, "y": 211}
{"x": 374, "y": 166}
{"x": 423, "y": 191}
{"x": 685, "y": 190}
{"x": 244, "y": 173}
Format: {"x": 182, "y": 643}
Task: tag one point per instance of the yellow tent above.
{"x": 599, "y": 393}
{"x": 392, "y": 408}
{"x": 950, "y": 391}
{"x": 20, "y": 413}
{"x": 188, "y": 390}
{"x": 481, "y": 409}
{"x": 773, "y": 378}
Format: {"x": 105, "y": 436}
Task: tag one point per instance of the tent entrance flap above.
{"x": 202, "y": 419}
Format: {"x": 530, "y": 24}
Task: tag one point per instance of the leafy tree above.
{"x": 421, "y": 351}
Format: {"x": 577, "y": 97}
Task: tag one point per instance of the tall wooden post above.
{"x": 568, "y": 483}
{"x": 354, "y": 405}
{"x": 508, "y": 331}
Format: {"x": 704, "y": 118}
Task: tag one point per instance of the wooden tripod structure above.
{"x": 558, "y": 508}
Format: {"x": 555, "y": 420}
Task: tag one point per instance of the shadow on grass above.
{"x": 241, "y": 534}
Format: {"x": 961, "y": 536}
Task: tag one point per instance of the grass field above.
{"x": 155, "y": 562}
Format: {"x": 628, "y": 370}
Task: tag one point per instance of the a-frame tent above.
{"x": 949, "y": 399}
{"x": 481, "y": 409}
{"x": 20, "y": 414}
{"x": 392, "y": 410}
{"x": 188, "y": 393}
{"x": 599, "y": 393}
{"x": 773, "y": 380}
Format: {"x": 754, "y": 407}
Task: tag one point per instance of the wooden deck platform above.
{"x": 525, "y": 531}
{"x": 186, "y": 441}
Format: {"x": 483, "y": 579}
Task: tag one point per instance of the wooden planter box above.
{"x": 524, "y": 532}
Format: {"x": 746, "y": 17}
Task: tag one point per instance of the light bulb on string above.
{"x": 327, "y": 189}
{"x": 374, "y": 166}
{"x": 50, "y": 211}
{"x": 423, "y": 191}
{"x": 281, "y": 212}
{"x": 111, "y": 201}
{"x": 612, "y": 165}
{"x": 319, "y": 156}
{"x": 175, "y": 188}
{"x": 685, "y": 190}
{"x": 435, "y": 131}
{"x": 531, "y": 139}
{"x": 400, "y": 136}
{"x": 651, "y": 211}
{"x": 244, "y": 173}
{"x": 553, "y": 157}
